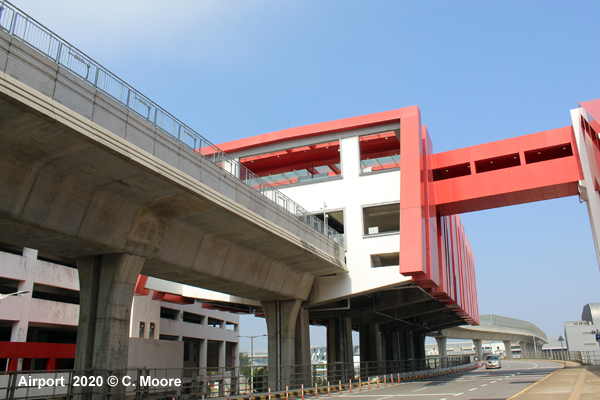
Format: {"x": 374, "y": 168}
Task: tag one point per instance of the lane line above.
{"x": 577, "y": 389}
{"x": 392, "y": 395}
{"x": 535, "y": 384}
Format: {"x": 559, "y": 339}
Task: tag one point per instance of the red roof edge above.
{"x": 322, "y": 128}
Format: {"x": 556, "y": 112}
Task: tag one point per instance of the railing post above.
{"x": 12, "y": 22}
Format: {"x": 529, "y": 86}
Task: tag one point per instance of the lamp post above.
{"x": 561, "y": 340}
{"x": 252, "y": 358}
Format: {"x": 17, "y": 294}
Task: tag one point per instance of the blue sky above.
{"x": 479, "y": 71}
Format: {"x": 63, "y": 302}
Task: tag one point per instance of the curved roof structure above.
{"x": 496, "y": 327}
{"x": 591, "y": 313}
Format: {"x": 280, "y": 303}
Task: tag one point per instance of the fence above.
{"x": 24, "y": 28}
{"x": 195, "y": 383}
{"x": 582, "y": 357}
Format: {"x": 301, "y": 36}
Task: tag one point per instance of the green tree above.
{"x": 245, "y": 365}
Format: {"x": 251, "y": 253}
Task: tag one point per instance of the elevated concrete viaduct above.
{"x": 86, "y": 178}
{"x": 495, "y": 327}
{"x": 93, "y": 170}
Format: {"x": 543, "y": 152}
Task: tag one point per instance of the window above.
{"x": 379, "y": 152}
{"x": 168, "y": 337}
{"x": 381, "y": 219}
{"x": 305, "y": 164}
{"x": 385, "y": 260}
{"x": 169, "y": 313}
{"x": 54, "y": 293}
{"x": 215, "y": 323}
{"x": 193, "y": 318}
{"x": 230, "y": 326}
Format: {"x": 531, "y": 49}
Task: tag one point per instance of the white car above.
{"x": 492, "y": 361}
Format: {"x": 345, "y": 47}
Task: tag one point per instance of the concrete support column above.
{"x": 419, "y": 350}
{"x": 302, "y": 348}
{"x": 478, "y": 349}
{"x": 370, "y": 348}
{"x": 20, "y": 328}
{"x": 106, "y": 290}
{"x": 406, "y": 348}
{"x": 281, "y": 326}
{"x": 235, "y": 384}
{"x": 391, "y": 350}
{"x": 507, "y": 349}
{"x": 526, "y": 347}
{"x": 203, "y": 356}
{"x": 442, "y": 342}
{"x": 222, "y": 364}
{"x": 340, "y": 351}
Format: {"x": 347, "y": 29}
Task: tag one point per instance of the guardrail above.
{"x": 195, "y": 383}
{"x": 582, "y": 357}
{"x": 24, "y": 28}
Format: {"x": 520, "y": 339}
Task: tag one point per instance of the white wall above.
{"x": 150, "y": 353}
{"x": 351, "y": 194}
{"x": 181, "y": 328}
{"x": 585, "y": 148}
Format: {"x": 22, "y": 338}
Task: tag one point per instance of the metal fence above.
{"x": 196, "y": 383}
{"x": 582, "y": 357}
{"x": 22, "y": 27}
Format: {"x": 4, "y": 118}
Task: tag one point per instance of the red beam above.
{"x": 534, "y": 167}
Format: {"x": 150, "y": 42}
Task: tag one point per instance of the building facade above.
{"x": 38, "y": 328}
{"x": 581, "y": 335}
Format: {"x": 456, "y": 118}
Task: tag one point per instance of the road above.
{"x": 479, "y": 384}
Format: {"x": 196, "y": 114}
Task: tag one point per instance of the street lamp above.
{"x": 252, "y": 358}
{"x": 3, "y": 296}
{"x": 561, "y": 340}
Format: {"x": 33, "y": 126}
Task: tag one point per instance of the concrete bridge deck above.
{"x": 82, "y": 175}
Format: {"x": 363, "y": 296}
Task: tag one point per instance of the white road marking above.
{"x": 485, "y": 384}
{"x": 458, "y": 394}
{"x": 395, "y": 395}
{"x": 470, "y": 390}
{"x": 419, "y": 389}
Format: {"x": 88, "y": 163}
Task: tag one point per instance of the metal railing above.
{"x": 22, "y": 27}
{"x": 195, "y": 383}
{"x": 581, "y": 357}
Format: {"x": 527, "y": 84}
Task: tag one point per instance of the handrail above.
{"x": 24, "y": 28}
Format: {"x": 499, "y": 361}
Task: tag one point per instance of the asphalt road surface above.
{"x": 479, "y": 384}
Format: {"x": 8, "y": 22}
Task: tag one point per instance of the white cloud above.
{"x": 152, "y": 28}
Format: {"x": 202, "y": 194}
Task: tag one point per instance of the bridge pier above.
{"x": 507, "y": 350}
{"x": 402, "y": 351}
{"x": 391, "y": 349}
{"x": 107, "y": 284}
{"x": 478, "y": 348}
{"x": 370, "y": 347}
{"x": 527, "y": 347}
{"x": 442, "y": 342}
{"x": 340, "y": 357}
{"x": 289, "y": 342}
{"x": 418, "y": 342}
